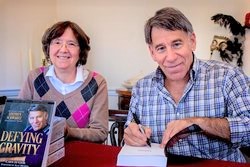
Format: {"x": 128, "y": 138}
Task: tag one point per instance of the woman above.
{"x": 80, "y": 94}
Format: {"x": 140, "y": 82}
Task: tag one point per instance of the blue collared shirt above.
{"x": 216, "y": 90}
{"x": 63, "y": 88}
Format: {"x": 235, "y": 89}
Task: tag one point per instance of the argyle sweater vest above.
{"x": 75, "y": 106}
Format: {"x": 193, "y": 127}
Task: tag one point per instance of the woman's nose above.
{"x": 64, "y": 47}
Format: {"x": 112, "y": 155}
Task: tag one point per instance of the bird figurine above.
{"x": 232, "y": 47}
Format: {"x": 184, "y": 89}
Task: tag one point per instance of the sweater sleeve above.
{"x": 97, "y": 130}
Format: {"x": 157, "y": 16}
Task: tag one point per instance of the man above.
{"x": 184, "y": 91}
{"x": 38, "y": 119}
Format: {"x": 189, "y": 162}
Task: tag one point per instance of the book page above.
{"x": 146, "y": 150}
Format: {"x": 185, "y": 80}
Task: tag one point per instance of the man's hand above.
{"x": 173, "y": 128}
{"x": 215, "y": 127}
{"x": 134, "y": 137}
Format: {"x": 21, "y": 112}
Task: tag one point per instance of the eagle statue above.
{"x": 230, "y": 48}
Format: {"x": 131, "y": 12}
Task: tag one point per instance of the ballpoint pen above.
{"x": 138, "y": 122}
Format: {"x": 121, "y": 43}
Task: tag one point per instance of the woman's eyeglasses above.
{"x": 57, "y": 43}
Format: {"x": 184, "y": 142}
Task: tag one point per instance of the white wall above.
{"x": 22, "y": 25}
{"x": 114, "y": 26}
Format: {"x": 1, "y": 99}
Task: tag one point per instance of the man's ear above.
{"x": 46, "y": 115}
{"x": 193, "y": 41}
{"x": 151, "y": 50}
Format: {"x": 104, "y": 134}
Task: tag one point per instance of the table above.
{"x": 81, "y": 154}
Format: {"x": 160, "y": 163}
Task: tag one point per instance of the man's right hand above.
{"x": 134, "y": 137}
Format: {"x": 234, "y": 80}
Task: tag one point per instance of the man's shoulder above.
{"x": 220, "y": 69}
{"x": 215, "y": 65}
{"x": 46, "y": 129}
{"x": 148, "y": 78}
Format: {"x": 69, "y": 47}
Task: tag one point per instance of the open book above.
{"x": 154, "y": 155}
{"x": 25, "y": 132}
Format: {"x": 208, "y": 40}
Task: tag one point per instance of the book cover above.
{"x": 181, "y": 135}
{"x": 25, "y": 132}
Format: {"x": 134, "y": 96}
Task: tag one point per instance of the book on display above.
{"x": 25, "y": 132}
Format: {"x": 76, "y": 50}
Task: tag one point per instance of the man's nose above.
{"x": 35, "y": 120}
{"x": 171, "y": 55}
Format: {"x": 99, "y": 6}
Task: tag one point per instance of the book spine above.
{"x": 58, "y": 130}
{"x": 56, "y": 156}
{"x": 56, "y": 145}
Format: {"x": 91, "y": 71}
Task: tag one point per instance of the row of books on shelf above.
{"x": 30, "y": 133}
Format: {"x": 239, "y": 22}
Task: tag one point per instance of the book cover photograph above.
{"x": 25, "y": 132}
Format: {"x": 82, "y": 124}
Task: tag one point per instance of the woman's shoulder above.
{"x": 96, "y": 75}
{"x": 37, "y": 72}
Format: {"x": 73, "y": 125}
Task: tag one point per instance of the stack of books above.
{"x": 56, "y": 149}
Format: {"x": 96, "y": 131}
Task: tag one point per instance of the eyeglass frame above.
{"x": 58, "y": 43}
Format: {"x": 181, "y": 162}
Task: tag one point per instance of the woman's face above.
{"x": 64, "y": 51}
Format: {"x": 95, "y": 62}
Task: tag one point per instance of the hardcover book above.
{"x": 25, "y": 132}
{"x": 142, "y": 156}
{"x": 57, "y": 149}
{"x": 56, "y": 156}
{"x": 59, "y": 124}
{"x": 154, "y": 155}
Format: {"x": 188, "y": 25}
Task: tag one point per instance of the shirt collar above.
{"x": 81, "y": 73}
{"x": 195, "y": 68}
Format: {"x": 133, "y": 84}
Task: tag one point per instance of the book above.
{"x": 142, "y": 156}
{"x": 25, "y": 132}
{"x": 55, "y": 156}
{"x": 56, "y": 145}
{"x": 192, "y": 129}
{"x": 154, "y": 155}
{"x": 56, "y": 149}
{"x": 59, "y": 124}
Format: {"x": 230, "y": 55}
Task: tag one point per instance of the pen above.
{"x": 137, "y": 121}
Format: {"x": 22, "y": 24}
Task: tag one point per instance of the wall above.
{"x": 115, "y": 28}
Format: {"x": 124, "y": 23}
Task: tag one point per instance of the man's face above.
{"x": 172, "y": 50}
{"x": 38, "y": 119}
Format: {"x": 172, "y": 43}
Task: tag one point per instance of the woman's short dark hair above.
{"x": 57, "y": 30}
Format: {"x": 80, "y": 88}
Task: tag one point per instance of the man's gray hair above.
{"x": 38, "y": 107}
{"x": 169, "y": 19}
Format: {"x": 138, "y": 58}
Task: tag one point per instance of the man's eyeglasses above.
{"x": 57, "y": 43}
